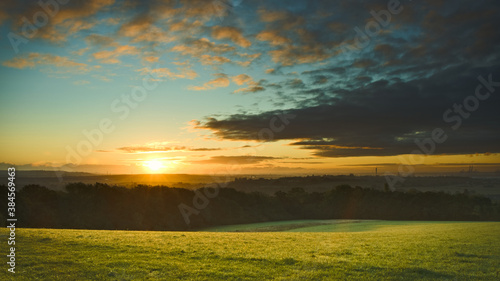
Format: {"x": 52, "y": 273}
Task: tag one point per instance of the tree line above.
{"x": 101, "y": 206}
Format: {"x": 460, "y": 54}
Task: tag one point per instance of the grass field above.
{"x": 316, "y": 226}
{"x": 338, "y": 250}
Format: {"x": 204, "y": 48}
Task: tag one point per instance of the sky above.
{"x": 250, "y": 87}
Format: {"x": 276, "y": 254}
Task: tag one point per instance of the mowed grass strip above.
{"x": 403, "y": 251}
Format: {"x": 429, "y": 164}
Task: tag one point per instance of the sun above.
{"x": 154, "y": 165}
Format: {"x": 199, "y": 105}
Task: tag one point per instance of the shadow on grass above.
{"x": 413, "y": 273}
{"x": 461, "y": 255}
{"x": 419, "y": 273}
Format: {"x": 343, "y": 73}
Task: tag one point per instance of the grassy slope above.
{"x": 315, "y": 226}
{"x": 403, "y": 251}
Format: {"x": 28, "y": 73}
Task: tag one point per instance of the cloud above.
{"x": 102, "y": 78}
{"x": 71, "y": 18}
{"x": 332, "y": 70}
{"x": 338, "y": 27}
{"x": 185, "y": 25}
{"x": 272, "y": 16}
{"x": 202, "y": 46}
{"x": 291, "y": 55}
{"x": 251, "y": 89}
{"x": 184, "y": 73}
{"x": 213, "y": 60}
{"x": 244, "y": 79}
{"x": 204, "y": 149}
{"x": 284, "y": 19}
{"x": 232, "y": 33}
{"x": 361, "y": 121}
{"x": 346, "y": 103}
{"x": 4, "y": 6}
{"x": 162, "y": 147}
{"x": 363, "y": 63}
{"x": 295, "y": 83}
{"x": 221, "y": 81}
{"x": 168, "y": 21}
{"x": 235, "y": 160}
{"x": 203, "y": 9}
{"x": 151, "y": 59}
{"x": 111, "y": 56}
{"x": 136, "y": 26}
{"x": 33, "y": 60}
{"x": 142, "y": 28}
{"x": 384, "y": 49}
{"x": 273, "y": 37}
{"x": 250, "y": 57}
{"x": 207, "y": 52}
{"x": 364, "y": 79}
{"x": 100, "y": 40}
{"x": 80, "y": 52}
{"x": 320, "y": 79}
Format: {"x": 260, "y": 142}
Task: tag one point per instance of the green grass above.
{"x": 314, "y": 226}
{"x": 376, "y": 250}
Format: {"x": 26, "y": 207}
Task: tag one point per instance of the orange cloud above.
{"x": 71, "y": 18}
{"x": 221, "y": 81}
{"x": 102, "y": 78}
{"x": 185, "y": 25}
{"x": 137, "y": 25}
{"x": 202, "y": 46}
{"x": 213, "y": 60}
{"x": 272, "y": 16}
{"x": 202, "y": 49}
{"x": 142, "y": 28}
{"x": 250, "y": 57}
{"x": 22, "y": 62}
{"x": 34, "y": 59}
{"x": 4, "y": 15}
{"x": 273, "y": 37}
{"x": 291, "y": 55}
{"x": 159, "y": 147}
{"x": 172, "y": 18}
{"x": 80, "y": 52}
{"x": 111, "y": 57}
{"x": 151, "y": 59}
{"x": 167, "y": 73}
{"x": 199, "y": 10}
{"x": 232, "y": 33}
{"x": 242, "y": 79}
{"x": 236, "y": 160}
{"x": 252, "y": 86}
{"x": 204, "y": 9}
{"x": 250, "y": 89}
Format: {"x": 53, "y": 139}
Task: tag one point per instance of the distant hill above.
{"x": 56, "y": 180}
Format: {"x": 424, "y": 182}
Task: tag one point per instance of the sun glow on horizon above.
{"x": 155, "y": 166}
